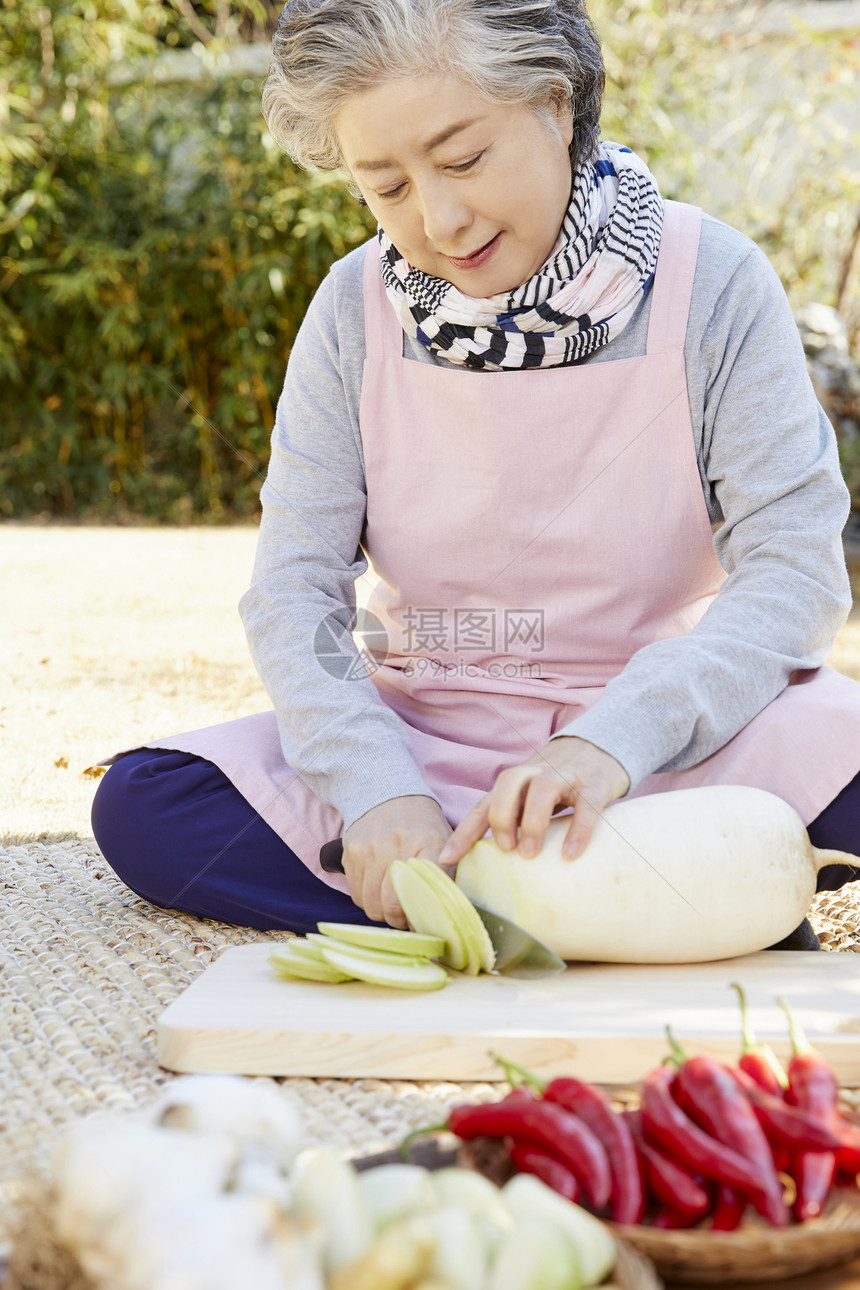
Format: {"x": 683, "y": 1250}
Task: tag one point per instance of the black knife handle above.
{"x": 331, "y": 856}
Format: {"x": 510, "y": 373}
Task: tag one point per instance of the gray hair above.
{"x": 508, "y": 51}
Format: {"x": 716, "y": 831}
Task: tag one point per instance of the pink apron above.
{"x": 531, "y": 532}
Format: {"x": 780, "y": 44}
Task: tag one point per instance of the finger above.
{"x": 506, "y": 802}
{"x": 353, "y": 869}
{"x": 392, "y": 910}
{"x": 585, "y": 818}
{"x": 541, "y": 797}
{"x": 467, "y": 832}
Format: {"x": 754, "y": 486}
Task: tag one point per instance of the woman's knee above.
{"x": 136, "y": 822}
{"x": 837, "y": 828}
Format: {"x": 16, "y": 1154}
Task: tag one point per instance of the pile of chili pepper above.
{"x": 708, "y": 1140}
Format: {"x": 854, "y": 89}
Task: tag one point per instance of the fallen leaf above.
{"x": 62, "y": 763}
{"x": 95, "y": 772}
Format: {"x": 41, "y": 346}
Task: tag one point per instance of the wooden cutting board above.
{"x": 603, "y": 1022}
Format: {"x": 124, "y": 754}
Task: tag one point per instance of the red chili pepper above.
{"x": 665, "y": 1180}
{"x": 668, "y": 1127}
{"x": 548, "y": 1126}
{"x": 759, "y": 1061}
{"x": 529, "y": 1160}
{"x": 671, "y": 1220}
{"x": 718, "y": 1103}
{"x": 728, "y": 1211}
{"x": 848, "y": 1154}
{"x": 593, "y": 1106}
{"x": 784, "y": 1124}
{"x": 813, "y": 1087}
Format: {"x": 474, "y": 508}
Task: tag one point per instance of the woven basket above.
{"x": 756, "y": 1252}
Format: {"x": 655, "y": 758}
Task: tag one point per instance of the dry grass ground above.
{"x": 112, "y": 637}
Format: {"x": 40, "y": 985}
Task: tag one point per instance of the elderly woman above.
{"x": 569, "y": 426}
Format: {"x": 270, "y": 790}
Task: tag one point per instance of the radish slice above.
{"x": 479, "y": 947}
{"x": 286, "y": 963}
{"x": 299, "y": 945}
{"x": 426, "y": 912}
{"x": 400, "y": 974}
{"x": 390, "y": 939}
{"x": 327, "y": 943}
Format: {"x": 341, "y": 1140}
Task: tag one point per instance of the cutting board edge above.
{"x": 422, "y": 1058}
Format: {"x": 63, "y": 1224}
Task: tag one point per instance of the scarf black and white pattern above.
{"x": 580, "y": 298}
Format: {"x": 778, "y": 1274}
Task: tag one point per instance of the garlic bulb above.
{"x": 251, "y": 1112}
{"x": 223, "y": 1242}
{"x": 109, "y": 1171}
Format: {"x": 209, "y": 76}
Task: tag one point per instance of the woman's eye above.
{"x": 460, "y": 169}
{"x": 467, "y": 165}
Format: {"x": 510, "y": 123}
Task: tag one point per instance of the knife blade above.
{"x": 518, "y": 953}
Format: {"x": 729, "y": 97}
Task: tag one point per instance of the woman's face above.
{"x": 467, "y": 190}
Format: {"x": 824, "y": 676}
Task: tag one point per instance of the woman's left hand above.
{"x": 566, "y": 772}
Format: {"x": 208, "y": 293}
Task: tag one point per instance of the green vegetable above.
{"x": 433, "y": 904}
{"x": 385, "y": 938}
{"x": 459, "y": 1259}
{"x": 479, "y": 947}
{"x": 403, "y": 975}
{"x": 426, "y": 912}
{"x": 326, "y": 1188}
{"x": 302, "y": 946}
{"x": 530, "y": 1200}
{"x": 535, "y": 1256}
{"x": 326, "y": 943}
{"x": 394, "y": 1261}
{"x": 288, "y": 962}
{"x": 393, "y": 1191}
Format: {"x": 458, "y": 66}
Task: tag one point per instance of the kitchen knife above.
{"x": 518, "y": 953}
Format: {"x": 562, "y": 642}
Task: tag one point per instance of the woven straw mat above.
{"x": 87, "y": 967}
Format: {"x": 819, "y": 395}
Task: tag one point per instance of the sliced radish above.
{"x": 286, "y": 963}
{"x": 305, "y": 949}
{"x": 400, "y": 974}
{"x": 327, "y": 943}
{"x": 479, "y": 947}
{"x": 385, "y": 938}
{"x": 426, "y": 912}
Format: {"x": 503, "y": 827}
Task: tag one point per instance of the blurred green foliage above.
{"x": 157, "y": 252}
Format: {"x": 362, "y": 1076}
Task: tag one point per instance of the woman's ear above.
{"x": 562, "y": 111}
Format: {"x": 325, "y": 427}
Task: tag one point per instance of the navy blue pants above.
{"x": 177, "y": 832}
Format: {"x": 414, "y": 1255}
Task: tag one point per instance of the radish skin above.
{"x": 680, "y": 877}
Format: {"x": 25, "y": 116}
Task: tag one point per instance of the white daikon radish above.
{"x": 676, "y": 877}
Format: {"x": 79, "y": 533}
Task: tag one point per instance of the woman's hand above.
{"x": 394, "y": 830}
{"x": 566, "y": 772}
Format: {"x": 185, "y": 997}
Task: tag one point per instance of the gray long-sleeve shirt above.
{"x": 770, "y": 476}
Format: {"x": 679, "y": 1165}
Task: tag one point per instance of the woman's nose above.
{"x": 446, "y": 217}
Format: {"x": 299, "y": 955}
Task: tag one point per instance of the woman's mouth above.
{"x": 478, "y": 258}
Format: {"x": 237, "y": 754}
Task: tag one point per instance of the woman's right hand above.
{"x": 394, "y": 830}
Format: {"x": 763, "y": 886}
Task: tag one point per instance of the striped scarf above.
{"x": 581, "y": 297}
